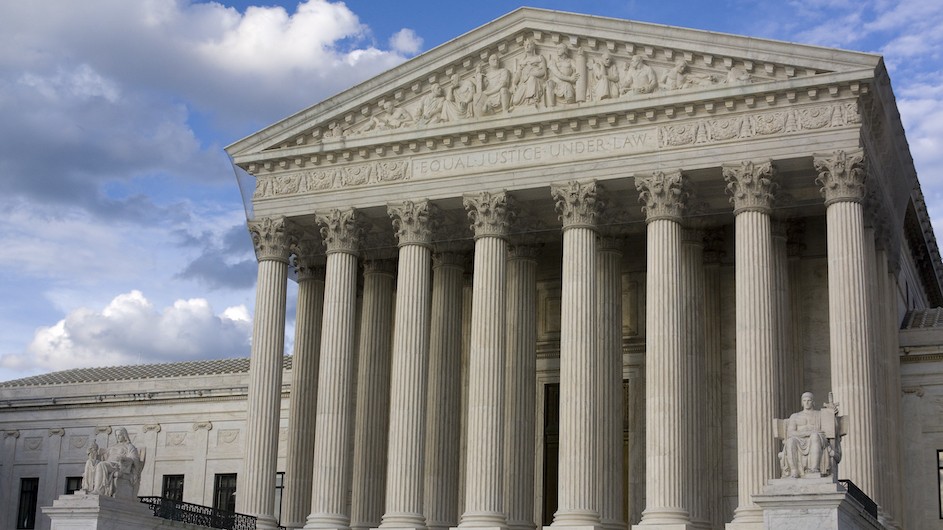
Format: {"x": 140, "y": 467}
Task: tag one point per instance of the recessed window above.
{"x": 224, "y": 492}
{"x": 279, "y": 490}
{"x": 172, "y": 488}
{"x": 72, "y": 484}
{"x": 26, "y": 512}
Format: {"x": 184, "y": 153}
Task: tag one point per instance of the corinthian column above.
{"x": 713, "y": 372}
{"x": 341, "y": 232}
{"x": 667, "y": 456}
{"x": 272, "y": 242}
{"x": 609, "y": 318}
{"x": 309, "y": 266}
{"x": 521, "y": 386}
{"x": 580, "y": 429}
{"x": 412, "y": 222}
{"x": 484, "y": 454}
{"x": 751, "y": 187}
{"x": 445, "y": 391}
{"x": 842, "y": 177}
{"x": 373, "y": 395}
{"x": 692, "y": 289}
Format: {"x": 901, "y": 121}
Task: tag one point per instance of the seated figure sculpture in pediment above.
{"x": 115, "y": 471}
{"x": 637, "y": 77}
{"x": 605, "y": 78}
{"x": 494, "y": 88}
{"x": 811, "y": 441}
{"x": 561, "y": 87}
{"x": 530, "y": 77}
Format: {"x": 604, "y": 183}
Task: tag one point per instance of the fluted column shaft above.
{"x": 580, "y": 465}
{"x": 713, "y": 375}
{"x": 521, "y": 385}
{"x": 484, "y": 456}
{"x": 609, "y": 318}
{"x": 892, "y": 348}
{"x": 304, "y": 393}
{"x": 849, "y": 313}
{"x": 692, "y": 289}
{"x": 371, "y": 429}
{"x": 667, "y": 458}
{"x": 467, "y": 297}
{"x": 331, "y": 473}
{"x": 406, "y": 456}
{"x": 445, "y": 383}
{"x": 783, "y": 357}
{"x": 265, "y": 371}
{"x": 752, "y": 187}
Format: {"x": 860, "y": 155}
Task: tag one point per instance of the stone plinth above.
{"x": 819, "y": 503}
{"x": 97, "y": 512}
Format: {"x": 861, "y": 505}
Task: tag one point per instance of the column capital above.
{"x": 663, "y": 194}
{"x": 379, "y": 266}
{"x": 491, "y": 213}
{"x": 841, "y": 175}
{"x": 271, "y": 238}
{"x": 751, "y": 185}
{"x": 578, "y": 204}
{"x": 309, "y": 257}
{"x": 692, "y": 236}
{"x": 523, "y": 251}
{"x": 341, "y": 230}
{"x": 413, "y": 221}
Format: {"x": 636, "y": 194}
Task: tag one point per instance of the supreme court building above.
{"x": 565, "y": 270}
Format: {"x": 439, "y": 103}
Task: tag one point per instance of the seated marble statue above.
{"x": 810, "y": 443}
{"x": 115, "y": 471}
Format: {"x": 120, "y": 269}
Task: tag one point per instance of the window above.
{"x": 939, "y": 479}
{"x": 279, "y": 490}
{"x": 26, "y": 514}
{"x": 172, "y": 488}
{"x": 224, "y": 492}
{"x": 72, "y": 484}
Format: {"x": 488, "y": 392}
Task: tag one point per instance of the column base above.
{"x": 613, "y": 525}
{"x": 266, "y": 522}
{"x": 581, "y": 519}
{"x": 326, "y": 521}
{"x": 667, "y": 519}
{"x": 483, "y": 521}
{"x": 403, "y": 521}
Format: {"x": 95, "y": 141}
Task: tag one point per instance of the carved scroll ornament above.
{"x": 491, "y": 213}
{"x": 841, "y": 175}
{"x": 750, "y": 185}
{"x": 662, "y": 194}
{"x": 577, "y": 203}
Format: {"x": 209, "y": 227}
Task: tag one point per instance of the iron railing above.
{"x": 195, "y": 514}
{"x": 869, "y": 505}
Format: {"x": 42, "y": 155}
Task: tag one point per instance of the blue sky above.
{"x": 123, "y": 234}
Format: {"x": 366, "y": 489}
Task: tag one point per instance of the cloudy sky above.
{"x": 122, "y": 235}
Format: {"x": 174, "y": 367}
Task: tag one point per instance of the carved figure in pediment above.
{"x": 494, "y": 88}
{"x": 637, "y": 77}
{"x": 461, "y": 95}
{"x": 530, "y": 77}
{"x": 737, "y": 75}
{"x": 605, "y": 78}
{"x": 677, "y": 77}
{"x": 561, "y": 86}
{"x": 334, "y": 130}
{"x": 431, "y": 107}
{"x": 391, "y": 117}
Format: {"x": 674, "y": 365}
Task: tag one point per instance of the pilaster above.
{"x": 272, "y": 241}
{"x": 413, "y": 224}
{"x": 751, "y": 187}
{"x": 331, "y": 479}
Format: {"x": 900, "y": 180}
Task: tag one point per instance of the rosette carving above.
{"x": 578, "y": 204}
{"x": 663, "y": 194}
{"x": 413, "y": 222}
{"x": 271, "y": 238}
{"x": 751, "y": 185}
{"x": 491, "y": 213}
{"x": 341, "y": 230}
{"x": 841, "y": 175}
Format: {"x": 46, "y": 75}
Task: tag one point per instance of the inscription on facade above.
{"x": 535, "y": 154}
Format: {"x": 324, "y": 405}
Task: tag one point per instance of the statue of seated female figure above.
{"x": 115, "y": 471}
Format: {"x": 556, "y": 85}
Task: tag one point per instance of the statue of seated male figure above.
{"x": 810, "y": 441}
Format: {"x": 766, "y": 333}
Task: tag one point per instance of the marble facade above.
{"x": 534, "y": 298}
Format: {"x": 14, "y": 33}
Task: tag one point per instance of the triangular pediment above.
{"x": 536, "y": 65}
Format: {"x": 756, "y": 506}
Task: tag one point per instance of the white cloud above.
{"x": 131, "y": 330}
{"x": 406, "y": 42}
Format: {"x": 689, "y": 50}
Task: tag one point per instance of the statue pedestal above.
{"x": 82, "y": 511}
{"x": 820, "y": 503}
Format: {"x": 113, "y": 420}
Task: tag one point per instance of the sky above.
{"x": 122, "y": 234}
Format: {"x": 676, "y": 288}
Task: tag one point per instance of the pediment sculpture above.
{"x": 811, "y": 440}
{"x": 114, "y": 471}
{"x": 537, "y": 77}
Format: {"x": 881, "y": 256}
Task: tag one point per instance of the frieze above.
{"x": 322, "y": 179}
